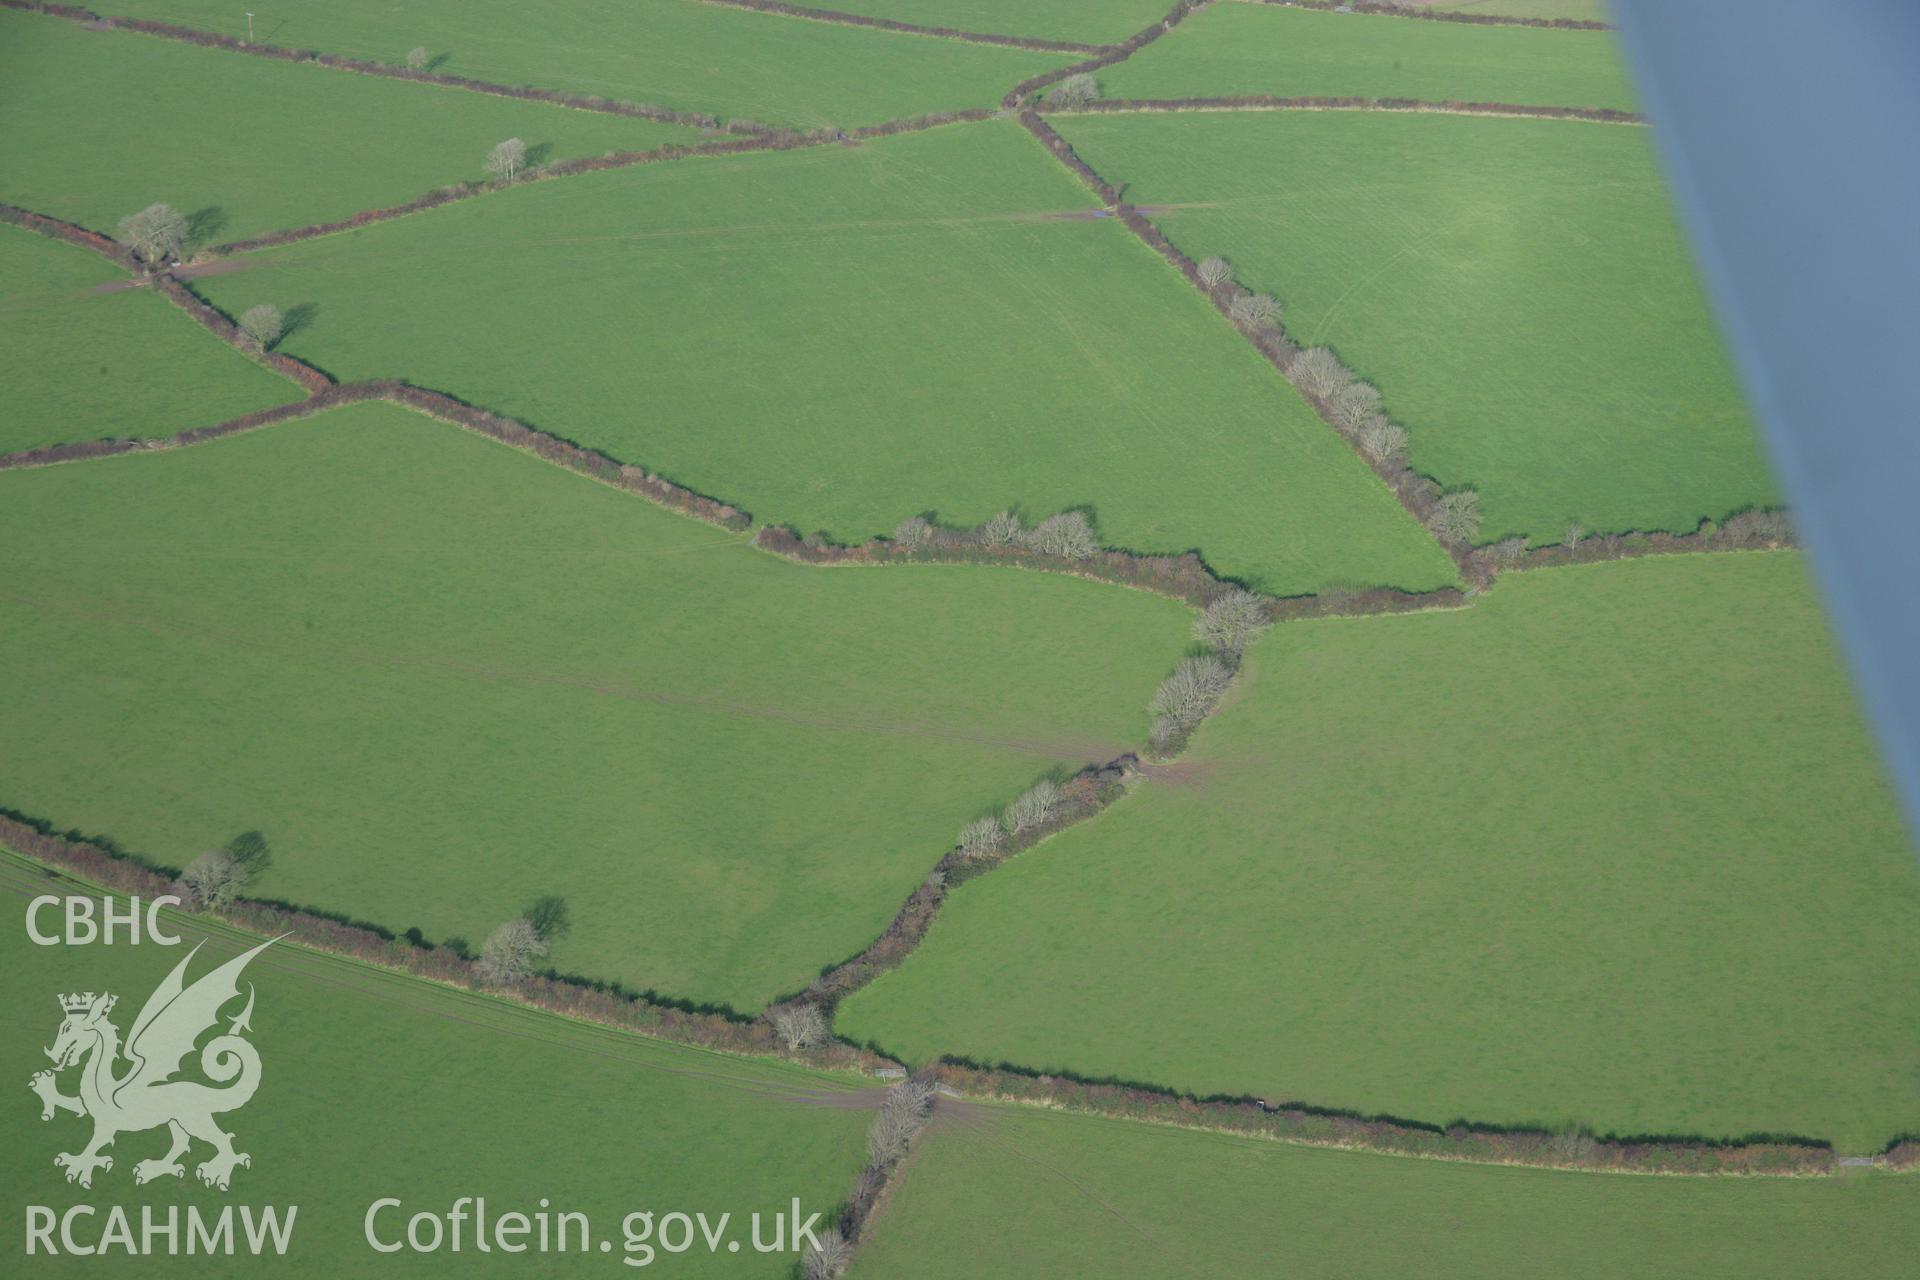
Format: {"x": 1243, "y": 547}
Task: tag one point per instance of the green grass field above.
{"x": 1006, "y": 1191}
{"x": 1084, "y": 21}
{"x": 1230, "y": 49}
{"x": 84, "y": 365}
{"x": 268, "y": 145}
{"x": 1518, "y": 290}
{"x": 444, "y": 679}
{"x": 1577, "y": 10}
{"x": 912, "y": 325}
{"x": 673, "y": 53}
{"x": 1610, "y": 848}
{"x": 376, "y": 1085}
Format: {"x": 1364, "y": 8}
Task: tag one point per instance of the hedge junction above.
{"x": 96, "y": 862}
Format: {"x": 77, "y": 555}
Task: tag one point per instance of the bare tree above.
{"x": 799, "y": 1026}
{"x": 981, "y": 837}
{"x": 1075, "y": 91}
{"x": 1509, "y": 552}
{"x": 1067, "y": 534}
{"x": 912, "y": 1097}
{"x": 888, "y": 1137}
{"x": 1756, "y": 529}
{"x": 1193, "y": 690}
{"x": 155, "y": 234}
{"x": 1003, "y": 529}
{"x": 417, "y": 58}
{"x": 1230, "y": 623}
{"x": 212, "y": 879}
{"x": 1571, "y": 1146}
{"x": 1457, "y": 517}
{"x": 1571, "y": 538}
{"x": 913, "y": 533}
{"x": 1254, "y": 310}
{"x": 1353, "y": 405}
{"x": 508, "y": 954}
{"x": 1215, "y": 272}
{"x": 827, "y": 1257}
{"x": 262, "y": 325}
{"x": 1382, "y": 439}
{"x": 1034, "y": 809}
{"x": 902, "y": 1113}
{"x": 1317, "y": 371}
{"x": 504, "y": 161}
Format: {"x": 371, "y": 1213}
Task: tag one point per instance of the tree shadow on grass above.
{"x": 296, "y": 319}
{"x": 204, "y": 224}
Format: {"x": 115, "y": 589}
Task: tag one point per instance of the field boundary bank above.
{"x": 1265, "y": 102}
{"x": 1439, "y": 15}
{"x": 1409, "y": 489}
{"x": 434, "y": 404}
{"x": 298, "y": 371}
{"x": 362, "y": 66}
{"x": 1182, "y": 577}
{"x": 839, "y": 18}
{"x": 1005, "y": 1082}
{"x": 1464, "y": 1142}
{"x": 1420, "y": 496}
{"x": 1016, "y": 97}
{"x": 771, "y": 140}
{"x": 89, "y": 862}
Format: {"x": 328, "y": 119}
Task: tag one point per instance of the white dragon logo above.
{"x": 147, "y": 1096}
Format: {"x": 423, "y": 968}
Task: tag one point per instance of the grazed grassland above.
{"x": 1084, "y": 21}
{"x": 445, "y": 679}
{"x": 86, "y": 365}
{"x": 1610, "y": 848}
{"x": 1008, "y": 1191}
{"x": 255, "y": 145}
{"x": 673, "y": 53}
{"x": 1231, "y": 49}
{"x": 1518, "y": 290}
{"x": 376, "y": 1085}
{"x": 930, "y": 322}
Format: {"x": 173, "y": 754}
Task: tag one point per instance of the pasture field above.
{"x": 1518, "y": 290}
{"x": 377, "y": 1085}
{"x": 1610, "y": 848}
{"x": 1084, "y": 21}
{"x": 1230, "y": 49}
{"x": 85, "y": 365}
{"x": 932, "y": 322}
{"x": 732, "y": 63}
{"x": 1010, "y": 1191}
{"x": 274, "y": 144}
{"x": 1577, "y": 10}
{"x": 445, "y": 679}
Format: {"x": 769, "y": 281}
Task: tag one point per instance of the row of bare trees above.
{"x": 1229, "y": 623}
{"x": 1352, "y": 405}
{"x": 157, "y": 234}
{"x": 1068, "y": 535}
{"x": 904, "y": 1112}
